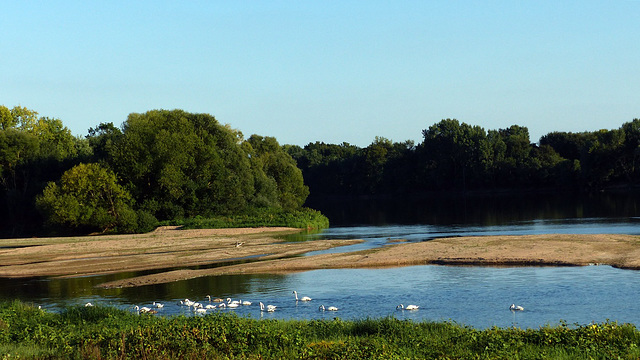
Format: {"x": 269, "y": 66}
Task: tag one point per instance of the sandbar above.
{"x": 176, "y": 253}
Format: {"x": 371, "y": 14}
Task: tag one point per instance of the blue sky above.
{"x": 331, "y": 71}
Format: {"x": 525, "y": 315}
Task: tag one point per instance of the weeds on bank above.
{"x": 27, "y": 332}
{"x": 303, "y": 218}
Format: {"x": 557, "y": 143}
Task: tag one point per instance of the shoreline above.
{"x": 167, "y": 249}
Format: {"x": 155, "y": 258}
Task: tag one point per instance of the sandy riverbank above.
{"x": 166, "y": 247}
{"x": 171, "y": 248}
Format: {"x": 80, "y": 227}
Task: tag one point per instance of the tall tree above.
{"x": 33, "y": 151}
{"x": 456, "y": 153}
{"x": 280, "y": 166}
{"x": 182, "y": 164}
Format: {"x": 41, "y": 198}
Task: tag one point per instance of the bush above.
{"x": 303, "y": 218}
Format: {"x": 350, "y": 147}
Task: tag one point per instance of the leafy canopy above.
{"x": 88, "y": 197}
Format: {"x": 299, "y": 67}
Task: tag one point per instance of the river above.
{"x": 474, "y": 296}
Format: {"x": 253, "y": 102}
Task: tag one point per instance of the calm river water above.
{"x": 475, "y": 296}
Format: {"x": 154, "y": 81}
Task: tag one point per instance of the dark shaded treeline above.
{"x": 160, "y": 165}
{"x": 458, "y": 158}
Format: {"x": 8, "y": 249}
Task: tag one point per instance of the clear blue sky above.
{"x": 332, "y": 71}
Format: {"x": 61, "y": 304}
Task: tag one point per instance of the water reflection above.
{"x": 479, "y": 210}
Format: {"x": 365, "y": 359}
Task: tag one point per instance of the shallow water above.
{"x": 476, "y": 296}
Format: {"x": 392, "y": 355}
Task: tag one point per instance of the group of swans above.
{"x": 201, "y": 308}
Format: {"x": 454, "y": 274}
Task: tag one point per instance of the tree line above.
{"x": 159, "y": 165}
{"x": 455, "y": 157}
{"x": 167, "y": 165}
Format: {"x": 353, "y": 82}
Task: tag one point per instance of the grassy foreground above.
{"x": 27, "y": 332}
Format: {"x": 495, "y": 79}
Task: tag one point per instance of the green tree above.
{"x": 630, "y": 161}
{"x": 455, "y": 154}
{"x": 278, "y": 165}
{"x": 33, "y": 151}
{"x": 102, "y": 139}
{"x": 88, "y": 198}
{"x": 375, "y": 157}
{"x": 179, "y": 164}
{"x": 329, "y": 168}
{"x": 602, "y": 163}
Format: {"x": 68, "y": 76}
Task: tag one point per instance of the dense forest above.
{"x": 160, "y": 165}
{"x": 166, "y": 165}
{"x": 456, "y": 157}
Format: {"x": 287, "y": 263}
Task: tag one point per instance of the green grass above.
{"x": 303, "y": 218}
{"x": 99, "y": 332}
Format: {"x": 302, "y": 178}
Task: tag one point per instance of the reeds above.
{"x": 98, "y": 332}
{"x": 303, "y": 218}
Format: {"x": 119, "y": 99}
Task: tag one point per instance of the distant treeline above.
{"x": 160, "y": 165}
{"x": 458, "y": 157}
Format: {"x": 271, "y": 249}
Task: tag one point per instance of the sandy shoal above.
{"x": 172, "y": 251}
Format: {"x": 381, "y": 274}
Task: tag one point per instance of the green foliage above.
{"x": 88, "y": 197}
{"x": 279, "y": 168}
{"x": 458, "y": 157}
{"x": 33, "y": 151}
{"x": 457, "y": 153}
{"x": 179, "y": 164}
{"x": 108, "y": 333}
{"x": 303, "y": 218}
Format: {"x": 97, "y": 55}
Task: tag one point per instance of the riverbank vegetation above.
{"x": 303, "y": 218}
{"x": 27, "y": 332}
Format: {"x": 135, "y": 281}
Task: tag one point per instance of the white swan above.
{"x": 144, "y": 310}
{"x": 330, "y": 308}
{"x": 187, "y": 302}
{"x": 158, "y": 305}
{"x": 88, "y": 304}
{"x": 270, "y": 308}
{"x": 246, "y": 303}
{"x": 515, "y": 307}
{"x": 209, "y": 306}
{"x": 304, "y": 298}
{"x": 200, "y": 311}
{"x": 408, "y": 307}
